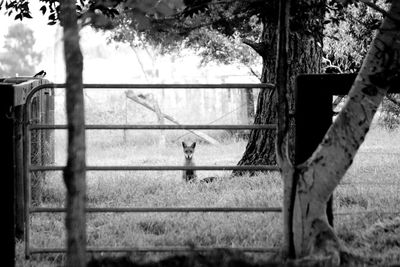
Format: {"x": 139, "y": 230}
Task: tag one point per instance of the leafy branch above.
{"x": 379, "y": 9}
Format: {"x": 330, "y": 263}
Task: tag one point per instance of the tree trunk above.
{"x": 305, "y": 53}
{"x": 320, "y": 175}
{"x": 75, "y": 171}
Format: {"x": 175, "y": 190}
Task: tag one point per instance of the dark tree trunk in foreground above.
{"x": 305, "y": 52}
{"x": 75, "y": 171}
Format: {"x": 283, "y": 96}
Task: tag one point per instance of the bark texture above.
{"x": 305, "y": 53}
{"x": 320, "y": 175}
{"x": 75, "y": 171}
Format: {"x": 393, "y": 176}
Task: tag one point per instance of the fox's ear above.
{"x": 184, "y": 145}
{"x": 194, "y": 145}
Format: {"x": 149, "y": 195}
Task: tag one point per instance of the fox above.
{"x": 188, "y": 151}
{"x": 190, "y": 175}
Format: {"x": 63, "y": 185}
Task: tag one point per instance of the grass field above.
{"x": 372, "y": 184}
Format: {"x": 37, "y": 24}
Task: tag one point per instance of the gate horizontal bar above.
{"x": 157, "y": 126}
{"x": 180, "y": 86}
{"x": 158, "y": 249}
{"x": 162, "y": 168}
{"x": 167, "y": 86}
{"x": 166, "y": 209}
{"x": 383, "y": 212}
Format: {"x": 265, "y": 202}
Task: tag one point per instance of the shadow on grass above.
{"x": 227, "y": 258}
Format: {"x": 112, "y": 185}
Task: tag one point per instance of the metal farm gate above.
{"x": 29, "y": 167}
{"x": 313, "y": 116}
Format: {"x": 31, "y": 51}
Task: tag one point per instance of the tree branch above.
{"x": 252, "y": 71}
{"x": 260, "y": 48}
{"x": 131, "y": 95}
{"x": 193, "y": 8}
{"x": 379, "y": 9}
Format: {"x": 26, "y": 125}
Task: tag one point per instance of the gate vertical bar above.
{"x": 313, "y": 103}
{"x": 50, "y": 137}
{"x": 27, "y": 178}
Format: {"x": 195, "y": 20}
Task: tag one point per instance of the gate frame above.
{"x": 14, "y": 92}
{"x": 28, "y": 168}
{"x": 313, "y": 116}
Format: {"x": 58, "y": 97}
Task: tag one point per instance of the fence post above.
{"x": 19, "y": 172}
{"x": 313, "y": 104}
{"x": 7, "y": 169}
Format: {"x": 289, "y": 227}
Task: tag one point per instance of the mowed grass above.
{"x": 372, "y": 184}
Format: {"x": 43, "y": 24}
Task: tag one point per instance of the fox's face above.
{"x": 188, "y": 150}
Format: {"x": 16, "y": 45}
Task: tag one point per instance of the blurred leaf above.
{"x": 194, "y": 7}
{"x": 101, "y": 21}
{"x": 164, "y": 9}
{"x": 143, "y": 22}
{"x": 43, "y": 9}
{"x": 114, "y": 12}
{"x": 27, "y": 15}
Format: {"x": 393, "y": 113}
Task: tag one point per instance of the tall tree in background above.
{"x": 305, "y": 52}
{"x": 19, "y": 57}
{"x": 225, "y": 30}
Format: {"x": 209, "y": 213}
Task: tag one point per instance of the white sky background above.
{"x": 116, "y": 63}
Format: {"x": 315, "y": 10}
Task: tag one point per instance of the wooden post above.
{"x": 18, "y": 171}
{"x": 249, "y": 105}
{"x": 314, "y": 113}
{"x": 313, "y": 118}
{"x": 160, "y": 118}
{"x": 7, "y": 170}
